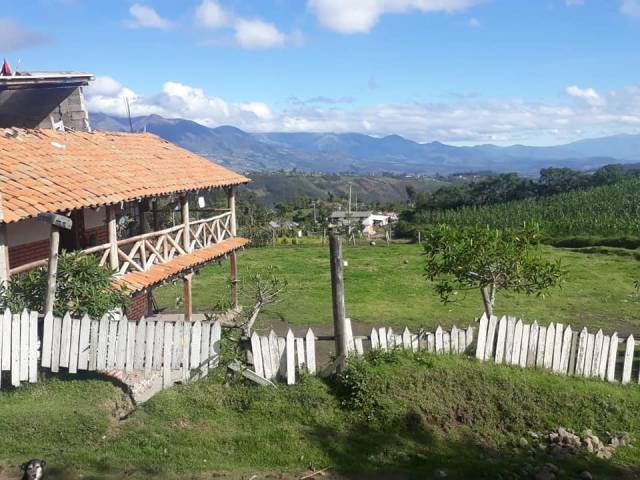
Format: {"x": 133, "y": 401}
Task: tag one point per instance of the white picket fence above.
{"x": 288, "y": 357}
{"x": 112, "y": 343}
{"x": 557, "y": 348}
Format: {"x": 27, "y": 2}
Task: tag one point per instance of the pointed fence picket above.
{"x": 289, "y": 357}
{"x": 29, "y": 342}
{"x": 558, "y": 348}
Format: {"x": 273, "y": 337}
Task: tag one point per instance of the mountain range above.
{"x": 364, "y": 154}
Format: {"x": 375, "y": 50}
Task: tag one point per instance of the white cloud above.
{"x": 14, "y": 36}
{"x": 144, "y": 16}
{"x": 258, "y": 34}
{"x": 474, "y": 22}
{"x": 589, "y": 95}
{"x": 584, "y": 112}
{"x": 210, "y": 14}
{"x": 630, "y": 8}
{"x": 247, "y": 33}
{"x": 360, "y": 16}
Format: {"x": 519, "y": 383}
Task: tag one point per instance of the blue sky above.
{"x": 457, "y": 71}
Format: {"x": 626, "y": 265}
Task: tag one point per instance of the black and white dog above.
{"x": 33, "y": 469}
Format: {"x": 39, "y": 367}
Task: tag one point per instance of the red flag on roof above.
{"x": 6, "y": 69}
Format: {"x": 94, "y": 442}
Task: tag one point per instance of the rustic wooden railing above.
{"x": 141, "y": 252}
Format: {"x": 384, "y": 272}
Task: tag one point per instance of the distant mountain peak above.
{"x": 363, "y": 154}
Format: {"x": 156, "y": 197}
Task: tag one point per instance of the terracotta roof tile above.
{"x": 49, "y": 171}
{"x": 136, "y": 281}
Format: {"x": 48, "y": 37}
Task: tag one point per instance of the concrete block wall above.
{"x": 71, "y": 111}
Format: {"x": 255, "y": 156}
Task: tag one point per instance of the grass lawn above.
{"x": 384, "y": 286}
{"x": 398, "y": 415}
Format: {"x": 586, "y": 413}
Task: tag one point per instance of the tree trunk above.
{"x": 486, "y": 298}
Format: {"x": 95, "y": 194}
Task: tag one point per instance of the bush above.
{"x": 83, "y": 287}
{"x": 595, "y": 241}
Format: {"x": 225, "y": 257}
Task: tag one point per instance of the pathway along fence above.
{"x": 175, "y": 348}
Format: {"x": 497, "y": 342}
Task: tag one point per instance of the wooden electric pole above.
{"x": 337, "y": 291}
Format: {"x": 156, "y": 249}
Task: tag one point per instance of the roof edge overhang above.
{"x": 11, "y": 219}
{"x": 161, "y": 273}
{"x": 31, "y": 80}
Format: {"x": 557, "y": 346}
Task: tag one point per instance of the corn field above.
{"x": 608, "y": 211}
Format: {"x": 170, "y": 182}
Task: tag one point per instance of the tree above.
{"x": 82, "y": 287}
{"x": 261, "y": 288}
{"x": 487, "y": 260}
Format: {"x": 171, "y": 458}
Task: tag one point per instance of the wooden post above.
{"x": 113, "y": 237}
{"x": 186, "y": 234}
{"x": 231, "y": 202}
{"x": 186, "y": 245}
{"x": 52, "y": 270}
{"x": 337, "y": 291}
{"x": 186, "y": 294}
{"x": 154, "y": 214}
{"x": 4, "y": 255}
{"x": 233, "y": 261}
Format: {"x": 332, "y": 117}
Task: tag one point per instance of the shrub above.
{"x": 83, "y": 287}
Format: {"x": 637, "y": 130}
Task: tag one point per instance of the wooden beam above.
{"x": 112, "y": 230}
{"x": 337, "y": 292}
{"x": 52, "y": 270}
{"x": 5, "y": 268}
{"x": 186, "y": 235}
{"x": 187, "y": 298}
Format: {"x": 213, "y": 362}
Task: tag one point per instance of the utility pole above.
{"x": 337, "y": 293}
{"x": 349, "y": 212}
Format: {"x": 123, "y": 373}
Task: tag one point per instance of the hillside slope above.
{"x": 394, "y": 416}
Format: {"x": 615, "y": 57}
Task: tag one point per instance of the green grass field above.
{"x": 398, "y": 416}
{"x": 384, "y": 286}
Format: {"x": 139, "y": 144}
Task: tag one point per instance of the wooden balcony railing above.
{"x": 141, "y": 252}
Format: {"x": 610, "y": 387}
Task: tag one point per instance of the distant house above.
{"x": 282, "y": 224}
{"x": 97, "y": 179}
{"x": 368, "y": 222}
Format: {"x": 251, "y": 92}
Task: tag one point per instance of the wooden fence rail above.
{"x": 112, "y": 343}
{"x": 557, "y": 348}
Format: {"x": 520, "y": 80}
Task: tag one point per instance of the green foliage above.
{"x": 83, "y": 287}
{"x": 605, "y": 211}
{"x": 476, "y": 258}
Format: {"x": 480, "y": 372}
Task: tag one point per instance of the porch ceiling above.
{"x": 137, "y": 281}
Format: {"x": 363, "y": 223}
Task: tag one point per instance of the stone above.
{"x": 586, "y": 476}
{"x": 523, "y": 442}
{"x": 440, "y": 473}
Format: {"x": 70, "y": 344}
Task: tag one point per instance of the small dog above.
{"x": 33, "y": 469}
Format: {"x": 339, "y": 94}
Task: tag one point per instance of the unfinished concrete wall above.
{"x": 34, "y": 108}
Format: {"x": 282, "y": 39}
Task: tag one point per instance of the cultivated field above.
{"x": 385, "y": 286}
